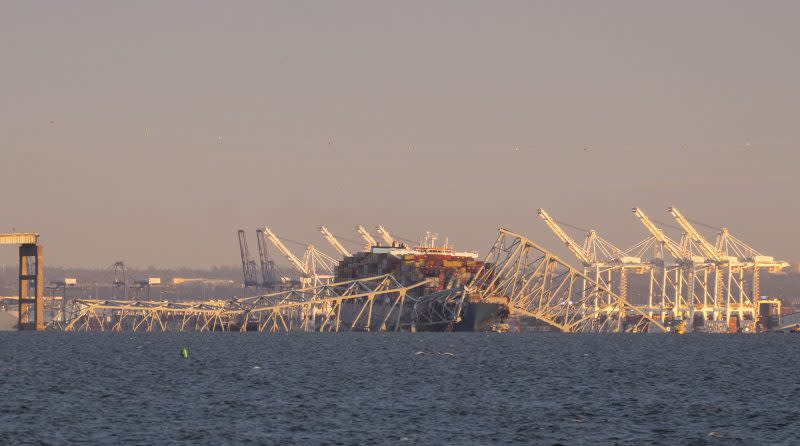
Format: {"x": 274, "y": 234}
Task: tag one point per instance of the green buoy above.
{"x": 184, "y": 352}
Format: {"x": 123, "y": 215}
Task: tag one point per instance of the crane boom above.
{"x": 248, "y": 266}
{"x": 576, "y": 249}
{"x": 297, "y": 263}
{"x": 335, "y": 243}
{"x": 659, "y": 235}
{"x": 362, "y": 231}
{"x": 385, "y": 235}
{"x": 708, "y": 249}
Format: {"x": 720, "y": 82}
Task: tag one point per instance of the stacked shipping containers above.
{"x": 446, "y": 271}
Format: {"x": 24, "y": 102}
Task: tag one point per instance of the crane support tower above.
{"x": 679, "y": 280}
{"x": 735, "y": 302}
{"x": 730, "y": 295}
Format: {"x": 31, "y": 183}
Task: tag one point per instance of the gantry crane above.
{"x": 368, "y": 239}
{"x": 732, "y": 258}
{"x": 385, "y": 235}
{"x": 315, "y": 269}
{"x": 711, "y": 252}
{"x": 248, "y": 265}
{"x": 665, "y": 242}
{"x": 731, "y": 246}
{"x": 728, "y": 276}
{"x": 583, "y": 256}
{"x": 293, "y": 260}
{"x": 578, "y": 251}
{"x": 683, "y": 275}
{"x": 599, "y": 255}
{"x": 334, "y": 242}
{"x": 270, "y": 275}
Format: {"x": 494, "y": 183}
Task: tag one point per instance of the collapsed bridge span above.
{"x": 539, "y": 285}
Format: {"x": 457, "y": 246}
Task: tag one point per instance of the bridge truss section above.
{"x": 372, "y": 304}
{"x": 540, "y": 285}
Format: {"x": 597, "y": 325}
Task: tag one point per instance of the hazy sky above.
{"x": 151, "y": 131}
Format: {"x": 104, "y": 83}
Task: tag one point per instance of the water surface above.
{"x": 404, "y": 389}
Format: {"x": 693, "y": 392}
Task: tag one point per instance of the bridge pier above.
{"x": 31, "y": 309}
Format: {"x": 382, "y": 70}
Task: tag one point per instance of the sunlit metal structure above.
{"x": 701, "y": 282}
{"x": 728, "y": 287}
{"x": 533, "y": 281}
{"x": 687, "y": 279}
{"x": 316, "y": 267}
{"x": 369, "y": 240}
{"x": 344, "y": 252}
{"x": 126, "y": 315}
{"x": 601, "y": 259}
{"x": 373, "y": 304}
{"x": 540, "y": 285}
{"x": 732, "y": 261}
{"x": 384, "y": 233}
{"x": 681, "y": 282}
{"x": 730, "y": 246}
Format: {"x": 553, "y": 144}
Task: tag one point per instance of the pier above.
{"x": 31, "y": 308}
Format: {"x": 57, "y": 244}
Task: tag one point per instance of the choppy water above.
{"x": 464, "y": 388}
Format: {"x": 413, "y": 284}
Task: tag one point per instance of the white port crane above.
{"x": 709, "y": 250}
{"x": 600, "y": 255}
{"x": 315, "y": 268}
{"x": 731, "y": 258}
{"x": 676, "y": 278}
{"x": 595, "y": 249}
{"x": 728, "y": 275}
{"x": 675, "y": 249}
{"x": 385, "y": 235}
{"x": 731, "y": 246}
{"x": 368, "y": 239}
{"x": 577, "y": 250}
{"x": 295, "y": 262}
{"x": 334, "y": 242}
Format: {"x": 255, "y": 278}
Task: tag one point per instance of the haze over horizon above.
{"x": 152, "y": 131}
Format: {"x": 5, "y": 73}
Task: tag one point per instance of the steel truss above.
{"x": 602, "y": 260}
{"x": 119, "y": 315}
{"x": 373, "y": 304}
{"x": 540, "y": 285}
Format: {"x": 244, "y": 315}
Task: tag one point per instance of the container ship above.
{"x": 443, "y": 268}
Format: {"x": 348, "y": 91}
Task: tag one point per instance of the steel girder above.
{"x": 540, "y": 285}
